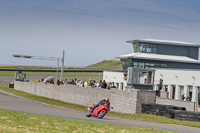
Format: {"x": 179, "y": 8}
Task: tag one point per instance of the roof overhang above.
{"x": 163, "y": 42}
{"x": 156, "y": 57}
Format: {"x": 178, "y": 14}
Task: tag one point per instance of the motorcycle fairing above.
{"x": 97, "y": 110}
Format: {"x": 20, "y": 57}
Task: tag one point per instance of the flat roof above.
{"x": 159, "y": 57}
{"x": 166, "y": 42}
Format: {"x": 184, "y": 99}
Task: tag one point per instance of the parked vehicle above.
{"x": 99, "y": 111}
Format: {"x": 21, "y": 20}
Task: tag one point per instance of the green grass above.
{"x": 107, "y": 65}
{"x": 156, "y": 119}
{"x": 43, "y": 99}
{"x": 12, "y": 73}
{"x": 103, "y": 65}
{"x": 142, "y": 117}
{"x": 29, "y": 67}
{"x": 11, "y": 121}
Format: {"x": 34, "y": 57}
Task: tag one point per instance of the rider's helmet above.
{"x": 107, "y": 99}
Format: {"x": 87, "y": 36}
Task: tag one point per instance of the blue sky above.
{"x": 90, "y": 30}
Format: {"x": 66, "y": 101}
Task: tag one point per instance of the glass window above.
{"x": 148, "y": 48}
{"x": 149, "y": 65}
{"x": 157, "y": 65}
{"x": 166, "y": 87}
{"x": 125, "y": 65}
{"x": 143, "y": 77}
{"x": 141, "y": 65}
{"x": 198, "y": 96}
{"x": 152, "y": 65}
{"x": 190, "y": 93}
{"x": 163, "y": 65}
{"x": 130, "y": 76}
{"x": 138, "y": 65}
{"x": 150, "y": 77}
{"x": 181, "y": 92}
{"x": 135, "y": 76}
{"x": 136, "y": 47}
{"x": 135, "y": 64}
{"x": 117, "y": 85}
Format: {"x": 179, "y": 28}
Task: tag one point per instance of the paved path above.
{"x": 14, "y": 103}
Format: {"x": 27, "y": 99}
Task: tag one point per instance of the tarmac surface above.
{"x": 15, "y": 103}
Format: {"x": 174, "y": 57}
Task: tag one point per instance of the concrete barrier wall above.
{"x": 145, "y": 96}
{"x": 187, "y": 104}
{"x": 124, "y": 101}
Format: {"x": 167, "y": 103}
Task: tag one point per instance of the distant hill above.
{"x": 107, "y": 65}
{"x": 103, "y": 65}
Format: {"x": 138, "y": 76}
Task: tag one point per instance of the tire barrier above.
{"x": 170, "y": 111}
{"x": 187, "y": 115}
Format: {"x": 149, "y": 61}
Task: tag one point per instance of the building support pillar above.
{"x": 170, "y": 91}
{"x": 186, "y": 91}
{"x": 194, "y": 94}
{"x": 177, "y": 93}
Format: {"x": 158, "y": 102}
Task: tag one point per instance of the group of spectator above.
{"x": 84, "y": 83}
{"x": 188, "y": 98}
{"x": 77, "y": 82}
{"x": 49, "y": 81}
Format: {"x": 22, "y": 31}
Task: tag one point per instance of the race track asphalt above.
{"x": 15, "y": 103}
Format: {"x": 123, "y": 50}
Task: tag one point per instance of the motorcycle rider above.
{"x": 102, "y": 102}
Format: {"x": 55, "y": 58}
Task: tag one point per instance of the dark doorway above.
{"x": 173, "y": 92}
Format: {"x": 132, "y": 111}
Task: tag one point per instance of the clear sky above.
{"x": 90, "y": 30}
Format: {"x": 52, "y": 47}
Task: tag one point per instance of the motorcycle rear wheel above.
{"x": 101, "y": 114}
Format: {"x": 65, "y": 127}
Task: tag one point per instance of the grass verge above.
{"x": 12, "y": 73}
{"x": 11, "y": 121}
{"x": 141, "y": 117}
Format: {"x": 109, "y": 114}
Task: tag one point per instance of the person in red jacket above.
{"x": 58, "y": 82}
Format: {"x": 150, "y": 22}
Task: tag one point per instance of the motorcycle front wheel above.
{"x": 88, "y": 114}
{"x": 101, "y": 114}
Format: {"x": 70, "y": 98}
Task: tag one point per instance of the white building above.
{"x": 166, "y": 66}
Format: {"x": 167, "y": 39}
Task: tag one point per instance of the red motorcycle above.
{"x": 99, "y": 111}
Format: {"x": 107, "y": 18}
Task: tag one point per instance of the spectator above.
{"x": 58, "y": 82}
{"x": 104, "y": 84}
{"x": 85, "y": 84}
{"x": 183, "y": 97}
{"x": 73, "y": 82}
{"x": 90, "y": 82}
{"x": 65, "y": 81}
{"x": 97, "y": 84}
{"x": 27, "y": 80}
{"x": 109, "y": 85}
{"x": 100, "y": 83}
{"x": 188, "y": 98}
{"x": 69, "y": 82}
{"x": 52, "y": 81}
{"x": 81, "y": 83}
